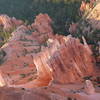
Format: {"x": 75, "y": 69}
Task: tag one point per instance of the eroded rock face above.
{"x": 34, "y": 57}
{"x": 64, "y": 62}
{"x": 22, "y": 47}
{"x": 72, "y": 60}
{"x": 42, "y": 27}
{"x": 62, "y": 92}
{"x": 8, "y": 23}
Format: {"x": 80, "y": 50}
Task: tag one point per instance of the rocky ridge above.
{"x": 44, "y": 64}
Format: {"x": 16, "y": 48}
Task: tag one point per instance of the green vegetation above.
{"x": 22, "y": 75}
{"x": 2, "y": 55}
{"x": 62, "y": 12}
{"x": 4, "y": 36}
{"x": 59, "y": 10}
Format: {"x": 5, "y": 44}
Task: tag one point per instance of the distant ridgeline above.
{"x": 61, "y": 11}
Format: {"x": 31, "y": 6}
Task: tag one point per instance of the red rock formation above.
{"x": 63, "y": 63}
{"x": 42, "y": 27}
{"x": 89, "y": 88}
{"x": 63, "y": 92}
{"x": 34, "y": 57}
{"x": 73, "y": 60}
{"x": 64, "y": 56}
{"x": 8, "y": 23}
{"x": 22, "y": 47}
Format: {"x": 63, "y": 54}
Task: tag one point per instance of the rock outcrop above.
{"x": 8, "y": 24}
{"x": 59, "y": 92}
{"x": 17, "y": 54}
{"x": 89, "y": 88}
{"x": 52, "y": 57}
{"x": 43, "y": 63}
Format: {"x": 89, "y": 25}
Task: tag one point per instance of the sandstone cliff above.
{"x": 44, "y": 64}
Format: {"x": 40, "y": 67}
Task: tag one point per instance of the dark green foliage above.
{"x": 22, "y": 75}
{"x": 58, "y": 10}
{"x": 30, "y": 79}
{"x": 2, "y": 55}
{"x": 91, "y": 35}
{"x": 4, "y": 36}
